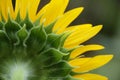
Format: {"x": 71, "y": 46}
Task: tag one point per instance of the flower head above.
{"x": 40, "y": 45}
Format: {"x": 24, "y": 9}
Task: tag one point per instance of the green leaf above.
{"x": 27, "y": 22}
{"x": 11, "y": 27}
{"x": 22, "y": 34}
{"x": 20, "y": 46}
{"x": 18, "y": 18}
{"x": 36, "y": 40}
{"x": 55, "y": 40}
{"x": 49, "y": 27}
{"x": 60, "y": 69}
{"x": 68, "y": 51}
{"x": 4, "y": 44}
{"x": 1, "y": 25}
{"x": 49, "y": 57}
{"x": 37, "y": 22}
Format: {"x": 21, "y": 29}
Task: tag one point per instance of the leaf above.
{"x": 22, "y": 34}
{"x": 18, "y": 18}
{"x": 11, "y": 27}
{"x": 60, "y": 69}
{"x": 27, "y": 22}
{"x": 56, "y": 40}
{"x": 4, "y": 44}
{"x": 20, "y": 46}
{"x": 1, "y": 25}
{"x": 37, "y": 22}
{"x": 49, "y": 27}
{"x": 49, "y": 57}
{"x": 36, "y": 40}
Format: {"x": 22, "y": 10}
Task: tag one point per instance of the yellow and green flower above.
{"x": 39, "y": 45}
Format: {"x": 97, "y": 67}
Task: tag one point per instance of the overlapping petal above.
{"x": 66, "y": 19}
{"x": 83, "y": 49}
{"x": 53, "y": 10}
{"x": 78, "y": 37}
{"x": 5, "y": 8}
{"x": 27, "y": 6}
{"x": 93, "y": 63}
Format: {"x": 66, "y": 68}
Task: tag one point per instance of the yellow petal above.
{"x": 54, "y": 9}
{"x": 5, "y": 6}
{"x": 42, "y": 11}
{"x": 80, "y": 28}
{"x": 76, "y": 30}
{"x": 66, "y": 19}
{"x": 81, "y": 37}
{"x": 84, "y": 49}
{"x": 33, "y": 9}
{"x": 21, "y": 5}
{"x": 0, "y": 17}
{"x": 25, "y": 6}
{"x": 78, "y": 61}
{"x": 94, "y": 63}
{"x": 89, "y": 76}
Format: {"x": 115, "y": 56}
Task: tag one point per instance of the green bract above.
{"x": 31, "y": 51}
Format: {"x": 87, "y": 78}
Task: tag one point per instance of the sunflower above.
{"x": 39, "y": 45}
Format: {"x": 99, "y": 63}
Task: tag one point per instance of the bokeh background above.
{"x": 107, "y": 13}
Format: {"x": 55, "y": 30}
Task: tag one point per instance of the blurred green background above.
{"x": 107, "y": 13}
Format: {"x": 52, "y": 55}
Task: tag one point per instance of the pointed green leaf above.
{"x": 68, "y": 51}
{"x": 22, "y": 34}
{"x": 11, "y": 27}
{"x": 20, "y": 46}
{"x": 49, "y": 27}
{"x": 18, "y": 18}
{"x": 27, "y": 22}
{"x": 37, "y": 22}
{"x": 60, "y": 69}
{"x": 55, "y": 40}
{"x": 4, "y": 44}
{"x": 50, "y": 57}
{"x": 1, "y": 25}
{"x": 36, "y": 40}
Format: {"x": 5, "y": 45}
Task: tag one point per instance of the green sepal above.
{"x": 27, "y": 22}
{"x": 22, "y": 34}
{"x": 1, "y": 25}
{"x": 67, "y": 52}
{"x": 18, "y": 18}
{"x": 37, "y": 22}
{"x": 50, "y": 57}
{"x": 36, "y": 40}
{"x": 67, "y": 57}
{"x": 56, "y": 40}
{"x": 64, "y": 50}
{"x": 11, "y": 27}
{"x": 49, "y": 27}
{"x": 72, "y": 73}
{"x": 4, "y": 44}
{"x": 60, "y": 69}
{"x": 20, "y": 46}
